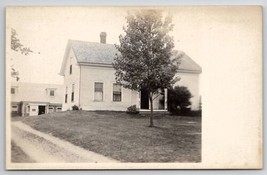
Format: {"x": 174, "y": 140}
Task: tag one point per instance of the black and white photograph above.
{"x": 132, "y": 87}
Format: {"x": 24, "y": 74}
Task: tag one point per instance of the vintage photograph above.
{"x": 105, "y": 86}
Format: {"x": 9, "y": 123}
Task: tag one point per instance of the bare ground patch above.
{"x": 18, "y": 156}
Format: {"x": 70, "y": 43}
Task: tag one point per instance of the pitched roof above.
{"x": 187, "y": 64}
{"x": 98, "y": 53}
{"x": 91, "y": 52}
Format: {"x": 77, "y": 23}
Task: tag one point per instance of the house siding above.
{"x": 191, "y": 81}
{"x": 105, "y": 75}
{"x": 92, "y": 74}
{"x": 69, "y": 80}
{"x": 36, "y": 92}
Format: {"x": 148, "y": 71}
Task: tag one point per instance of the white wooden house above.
{"x": 89, "y": 79}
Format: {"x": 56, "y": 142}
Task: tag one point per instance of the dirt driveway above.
{"x": 30, "y": 145}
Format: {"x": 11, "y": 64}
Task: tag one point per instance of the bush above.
{"x": 132, "y": 110}
{"x": 179, "y": 100}
{"x": 75, "y": 108}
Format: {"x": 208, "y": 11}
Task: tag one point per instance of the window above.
{"x": 12, "y": 90}
{"x": 66, "y": 95}
{"x": 52, "y": 93}
{"x": 14, "y": 108}
{"x": 70, "y": 69}
{"x": 72, "y": 93}
{"x": 50, "y": 109}
{"x": 98, "y": 91}
{"x": 58, "y": 109}
{"x": 116, "y": 92}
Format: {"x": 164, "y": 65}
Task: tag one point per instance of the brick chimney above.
{"x": 103, "y": 36}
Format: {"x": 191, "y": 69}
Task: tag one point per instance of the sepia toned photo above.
{"x": 126, "y": 87}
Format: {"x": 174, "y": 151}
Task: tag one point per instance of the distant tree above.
{"x": 17, "y": 47}
{"x": 16, "y": 44}
{"x": 179, "y": 98}
{"x": 145, "y": 55}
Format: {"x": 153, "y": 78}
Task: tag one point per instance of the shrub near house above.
{"x": 179, "y": 101}
{"x": 132, "y": 110}
{"x": 75, "y": 108}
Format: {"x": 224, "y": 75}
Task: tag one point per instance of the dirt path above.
{"x": 18, "y": 156}
{"x": 45, "y": 148}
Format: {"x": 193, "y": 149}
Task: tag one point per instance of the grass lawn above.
{"x": 126, "y": 137}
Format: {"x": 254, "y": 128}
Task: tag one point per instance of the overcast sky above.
{"x": 47, "y": 30}
{"x": 212, "y": 36}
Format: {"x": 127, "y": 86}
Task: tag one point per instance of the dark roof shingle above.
{"x": 92, "y": 52}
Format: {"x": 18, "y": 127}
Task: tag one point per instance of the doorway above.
{"x": 161, "y": 100}
{"x": 41, "y": 109}
{"x": 144, "y": 99}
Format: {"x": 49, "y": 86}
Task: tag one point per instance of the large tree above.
{"x": 17, "y": 47}
{"x": 146, "y": 60}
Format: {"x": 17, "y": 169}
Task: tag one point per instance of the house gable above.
{"x": 65, "y": 59}
{"x": 71, "y": 71}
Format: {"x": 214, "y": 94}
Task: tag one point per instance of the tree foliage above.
{"x": 145, "y": 55}
{"x": 16, "y": 44}
{"x": 17, "y": 47}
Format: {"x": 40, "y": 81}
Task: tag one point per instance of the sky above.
{"x": 214, "y": 37}
{"x": 47, "y": 30}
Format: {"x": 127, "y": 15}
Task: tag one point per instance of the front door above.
{"x": 144, "y": 99}
{"x": 41, "y": 109}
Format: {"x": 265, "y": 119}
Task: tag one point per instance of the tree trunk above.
{"x": 151, "y": 109}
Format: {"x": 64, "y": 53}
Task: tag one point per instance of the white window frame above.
{"x": 28, "y": 108}
{"x": 112, "y": 92}
{"x": 72, "y": 91}
{"x": 66, "y": 93}
{"x": 14, "y": 90}
{"x": 53, "y": 93}
{"x": 102, "y": 91}
{"x": 51, "y": 108}
{"x": 70, "y": 69}
{"x": 14, "y": 108}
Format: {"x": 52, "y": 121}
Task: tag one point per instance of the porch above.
{"x": 159, "y": 102}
